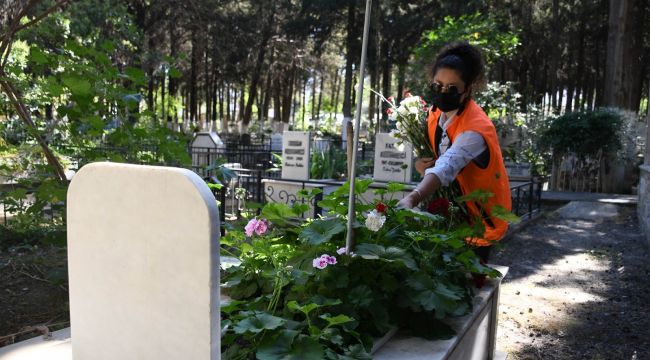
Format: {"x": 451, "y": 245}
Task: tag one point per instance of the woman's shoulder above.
{"x": 474, "y": 117}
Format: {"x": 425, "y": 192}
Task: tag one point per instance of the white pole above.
{"x": 349, "y": 241}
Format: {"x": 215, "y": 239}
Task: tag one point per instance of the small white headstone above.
{"x": 143, "y": 255}
{"x": 295, "y": 155}
{"x": 392, "y": 161}
{"x": 518, "y": 170}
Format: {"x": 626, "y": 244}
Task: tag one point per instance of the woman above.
{"x": 465, "y": 143}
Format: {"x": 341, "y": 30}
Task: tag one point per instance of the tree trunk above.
{"x": 349, "y": 59}
{"x": 623, "y": 80}
{"x": 320, "y": 99}
{"x": 257, "y": 72}
{"x": 401, "y": 76}
{"x": 193, "y": 96}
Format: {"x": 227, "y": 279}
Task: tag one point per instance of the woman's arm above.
{"x": 467, "y": 146}
{"x": 429, "y": 184}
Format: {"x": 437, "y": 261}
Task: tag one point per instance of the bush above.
{"x": 584, "y": 133}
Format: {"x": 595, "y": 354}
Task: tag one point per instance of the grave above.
{"x": 518, "y": 172}
{"x": 393, "y": 162}
{"x": 204, "y": 149}
{"x": 143, "y": 247}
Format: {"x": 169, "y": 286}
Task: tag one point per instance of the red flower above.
{"x": 381, "y": 207}
{"x": 389, "y": 111}
{"x": 439, "y": 207}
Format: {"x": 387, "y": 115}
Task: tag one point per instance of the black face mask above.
{"x": 446, "y": 101}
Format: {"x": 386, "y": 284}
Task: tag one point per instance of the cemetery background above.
{"x": 154, "y": 106}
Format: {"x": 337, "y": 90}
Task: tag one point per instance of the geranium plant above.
{"x": 298, "y": 295}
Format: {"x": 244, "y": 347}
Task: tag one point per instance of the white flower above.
{"x": 375, "y": 220}
{"x": 403, "y": 110}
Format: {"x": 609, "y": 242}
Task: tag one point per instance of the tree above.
{"x": 623, "y": 77}
{"x": 9, "y": 32}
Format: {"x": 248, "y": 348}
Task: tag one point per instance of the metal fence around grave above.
{"x": 526, "y": 196}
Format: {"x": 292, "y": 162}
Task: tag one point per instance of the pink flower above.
{"x": 389, "y": 111}
{"x": 319, "y": 263}
{"x": 331, "y": 260}
{"x": 341, "y": 251}
{"x": 390, "y": 99}
{"x": 322, "y": 261}
{"x": 258, "y": 227}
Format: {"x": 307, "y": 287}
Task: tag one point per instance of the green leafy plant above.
{"x": 298, "y": 294}
{"x": 599, "y": 132}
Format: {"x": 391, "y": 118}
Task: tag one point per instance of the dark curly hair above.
{"x": 464, "y": 58}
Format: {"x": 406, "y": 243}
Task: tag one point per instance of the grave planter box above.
{"x": 475, "y": 336}
{"x": 475, "y": 333}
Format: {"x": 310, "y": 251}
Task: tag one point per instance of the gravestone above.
{"x": 143, "y": 257}
{"x": 518, "y": 171}
{"x": 296, "y": 155}
{"x": 393, "y": 162}
{"x": 204, "y": 149}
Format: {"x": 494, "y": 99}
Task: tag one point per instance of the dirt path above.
{"x": 577, "y": 288}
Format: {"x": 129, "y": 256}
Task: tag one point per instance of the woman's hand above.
{"x": 409, "y": 201}
{"x": 423, "y": 163}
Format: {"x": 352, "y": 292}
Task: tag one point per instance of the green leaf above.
{"x": 299, "y": 208}
{"x": 305, "y": 309}
{"x": 38, "y": 56}
{"x": 320, "y": 231}
{"x": 286, "y": 346}
{"x": 362, "y": 185}
{"x": 390, "y": 254}
{"x": 477, "y": 195}
{"x": 502, "y": 213}
{"x": 336, "y": 320}
{"x": 257, "y": 322}
{"x": 393, "y": 187}
{"x": 174, "y": 73}
{"x": 78, "y": 86}
{"x": 137, "y": 75}
{"x": 276, "y": 212}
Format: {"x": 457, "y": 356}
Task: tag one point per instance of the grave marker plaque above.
{"x": 296, "y": 155}
{"x": 392, "y": 161}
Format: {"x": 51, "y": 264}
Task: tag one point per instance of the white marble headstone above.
{"x": 393, "y": 162}
{"x": 143, "y": 255}
{"x": 296, "y": 153}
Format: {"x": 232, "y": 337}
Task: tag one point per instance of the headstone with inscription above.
{"x": 518, "y": 171}
{"x": 295, "y": 155}
{"x": 393, "y": 162}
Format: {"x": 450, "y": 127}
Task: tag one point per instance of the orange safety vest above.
{"x": 493, "y": 178}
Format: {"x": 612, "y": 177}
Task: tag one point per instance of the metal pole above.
{"x": 349, "y": 241}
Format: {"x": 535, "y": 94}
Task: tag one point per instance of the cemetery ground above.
{"x": 576, "y": 288}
